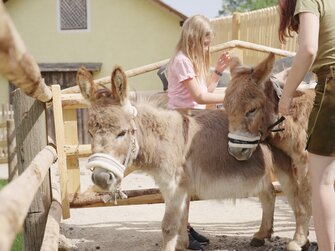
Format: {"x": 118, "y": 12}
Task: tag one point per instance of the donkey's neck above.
{"x": 161, "y": 134}
{"x": 270, "y": 108}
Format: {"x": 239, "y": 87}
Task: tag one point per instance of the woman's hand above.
{"x": 223, "y": 62}
{"x": 285, "y": 105}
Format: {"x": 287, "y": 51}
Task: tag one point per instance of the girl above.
{"x": 189, "y": 83}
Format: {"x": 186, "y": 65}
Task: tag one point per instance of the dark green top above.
{"x": 325, "y": 10}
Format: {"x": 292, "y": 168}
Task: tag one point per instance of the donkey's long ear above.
{"x": 86, "y": 84}
{"x": 263, "y": 70}
{"x": 119, "y": 84}
{"x": 234, "y": 64}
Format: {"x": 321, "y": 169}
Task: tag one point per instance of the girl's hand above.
{"x": 285, "y": 105}
{"x": 223, "y": 62}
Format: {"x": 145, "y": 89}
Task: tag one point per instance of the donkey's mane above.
{"x": 105, "y": 97}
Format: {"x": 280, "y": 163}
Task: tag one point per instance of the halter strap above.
{"x": 277, "y": 122}
{"x": 236, "y": 140}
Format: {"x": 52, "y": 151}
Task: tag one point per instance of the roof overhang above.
{"x": 170, "y": 9}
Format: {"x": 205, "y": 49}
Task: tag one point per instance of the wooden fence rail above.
{"x": 23, "y": 70}
{"x": 15, "y": 205}
{"x": 241, "y": 45}
{"x": 65, "y": 103}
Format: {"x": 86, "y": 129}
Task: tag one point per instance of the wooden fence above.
{"x": 6, "y": 113}
{"x": 65, "y": 104}
{"x": 259, "y": 27}
{"x": 28, "y": 201}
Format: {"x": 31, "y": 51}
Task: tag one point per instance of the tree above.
{"x": 231, "y": 6}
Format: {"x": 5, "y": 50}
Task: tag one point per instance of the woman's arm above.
{"x": 202, "y": 98}
{"x": 302, "y": 62}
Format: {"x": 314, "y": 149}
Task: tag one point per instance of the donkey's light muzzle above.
{"x": 106, "y": 162}
{"x": 242, "y": 147}
{"x": 106, "y": 170}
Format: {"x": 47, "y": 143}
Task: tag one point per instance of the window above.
{"x": 73, "y": 15}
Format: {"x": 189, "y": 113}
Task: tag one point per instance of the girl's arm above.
{"x": 221, "y": 65}
{"x": 303, "y": 60}
{"x": 202, "y": 98}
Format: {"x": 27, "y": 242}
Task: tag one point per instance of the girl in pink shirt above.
{"x": 190, "y": 85}
{"x": 190, "y": 82}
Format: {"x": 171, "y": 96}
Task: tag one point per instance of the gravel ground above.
{"x": 228, "y": 224}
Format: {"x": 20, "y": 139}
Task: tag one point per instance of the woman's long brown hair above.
{"x": 287, "y": 24}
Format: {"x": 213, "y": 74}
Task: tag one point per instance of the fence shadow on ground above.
{"x": 146, "y": 235}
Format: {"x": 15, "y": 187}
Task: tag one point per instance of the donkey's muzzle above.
{"x": 242, "y": 147}
{"x": 239, "y": 153}
{"x": 103, "y": 179}
{"x": 107, "y": 171}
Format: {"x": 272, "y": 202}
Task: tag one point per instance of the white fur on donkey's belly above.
{"x": 206, "y": 187}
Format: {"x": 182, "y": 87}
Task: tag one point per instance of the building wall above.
{"x": 130, "y": 33}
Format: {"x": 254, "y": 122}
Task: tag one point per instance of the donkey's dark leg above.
{"x": 175, "y": 207}
{"x": 267, "y": 198}
{"x": 299, "y": 198}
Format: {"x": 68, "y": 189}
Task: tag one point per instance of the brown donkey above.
{"x": 251, "y": 103}
{"x": 186, "y": 152}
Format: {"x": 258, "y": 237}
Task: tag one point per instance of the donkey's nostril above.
{"x": 111, "y": 179}
{"x": 244, "y": 150}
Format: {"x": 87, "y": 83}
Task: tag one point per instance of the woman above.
{"x": 314, "y": 21}
{"x": 190, "y": 85}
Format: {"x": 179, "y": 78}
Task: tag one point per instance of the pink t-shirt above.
{"x": 181, "y": 69}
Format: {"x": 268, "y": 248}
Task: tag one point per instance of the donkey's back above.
{"x": 215, "y": 174}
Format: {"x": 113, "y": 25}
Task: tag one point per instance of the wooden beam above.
{"x": 78, "y": 150}
{"x": 71, "y": 138}
{"x": 59, "y": 132}
{"x": 251, "y": 46}
{"x": 129, "y": 73}
{"x": 14, "y": 206}
{"x": 135, "y": 197}
{"x": 220, "y": 47}
{"x": 51, "y": 234}
{"x": 69, "y": 67}
{"x": 22, "y": 70}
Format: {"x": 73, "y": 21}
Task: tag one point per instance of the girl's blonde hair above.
{"x": 191, "y": 43}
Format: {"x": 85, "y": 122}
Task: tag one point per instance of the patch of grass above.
{"x": 2, "y": 183}
{"x": 18, "y": 243}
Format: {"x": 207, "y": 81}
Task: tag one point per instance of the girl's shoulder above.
{"x": 180, "y": 56}
{"x": 181, "y": 60}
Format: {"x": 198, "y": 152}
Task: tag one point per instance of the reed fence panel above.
{"x": 259, "y": 27}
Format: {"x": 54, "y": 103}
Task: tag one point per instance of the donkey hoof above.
{"x": 293, "y": 246}
{"x": 257, "y": 242}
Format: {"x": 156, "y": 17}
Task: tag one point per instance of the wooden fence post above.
{"x": 60, "y": 141}
{"x": 236, "y": 34}
{"x": 11, "y": 152}
{"x": 31, "y": 138}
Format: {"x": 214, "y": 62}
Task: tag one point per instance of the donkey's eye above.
{"x": 250, "y": 112}
{"x": 122, "y": 133}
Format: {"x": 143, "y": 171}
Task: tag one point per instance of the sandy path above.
{"x": 228, "y": 224}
